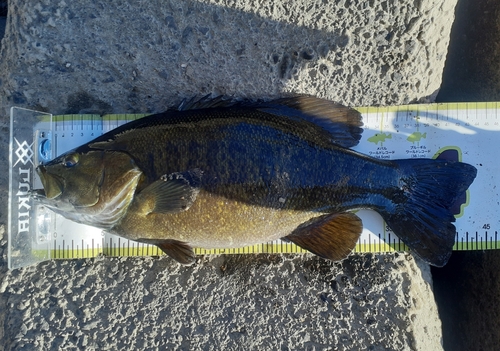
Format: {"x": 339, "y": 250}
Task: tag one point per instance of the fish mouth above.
{"x": 52, "y": 185}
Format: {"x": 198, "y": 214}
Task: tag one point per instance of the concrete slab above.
{"x": 278, "y": 302}
{"x": 146, "y": 56}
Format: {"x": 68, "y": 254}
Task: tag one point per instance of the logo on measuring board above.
{"x": 24, "y": 153}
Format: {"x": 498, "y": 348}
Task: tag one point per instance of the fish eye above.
{"x": 70, "y": 160}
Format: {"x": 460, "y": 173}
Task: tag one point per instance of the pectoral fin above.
{"x": 331, "y": 236}
{"x": 172, "y": 193}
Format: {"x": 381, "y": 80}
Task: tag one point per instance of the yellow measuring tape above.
{"x": 468, "y": 130}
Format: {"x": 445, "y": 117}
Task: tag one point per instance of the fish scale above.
{"x": 253, "y": 168}
{"x": 465, "y": 132}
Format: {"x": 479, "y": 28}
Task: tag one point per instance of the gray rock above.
{"x": 96, "y": 56}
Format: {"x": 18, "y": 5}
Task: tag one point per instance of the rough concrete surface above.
{"x": 117, "y": 56}
{"x": 278, "y": 302}
{"x": 95, "y": 56}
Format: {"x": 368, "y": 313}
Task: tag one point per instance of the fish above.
{"x": 379, "y": 137}
{"x": 416, "y": 137}
{"x": 222, "y": 174}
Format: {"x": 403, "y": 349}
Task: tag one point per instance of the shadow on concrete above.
{"x": 467, "y": 289}
{"x": 3, "y": 8}
{"x": 471, "y": 70}
{"x": 3, "y": 18}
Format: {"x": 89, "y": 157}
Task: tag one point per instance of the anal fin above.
{"x": 331, "y": 236}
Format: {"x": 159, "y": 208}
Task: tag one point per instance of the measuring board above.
{"x": 467, "y": 132}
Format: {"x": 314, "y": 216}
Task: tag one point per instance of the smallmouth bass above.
{"x": 223, "y": 175}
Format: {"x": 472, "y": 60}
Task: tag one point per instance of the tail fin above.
{"x": 422, "y": 216}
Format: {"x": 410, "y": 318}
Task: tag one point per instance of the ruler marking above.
{"x": 496, "y": 111}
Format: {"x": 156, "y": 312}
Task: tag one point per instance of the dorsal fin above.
{"x": 205, "y": 102}
{"x": 317, "y": 120}
{"x": 340, "y": 124}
